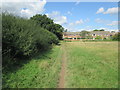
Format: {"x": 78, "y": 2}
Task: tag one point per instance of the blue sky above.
{"x": 83, "y": 16}
{"x": 74, "y": 16}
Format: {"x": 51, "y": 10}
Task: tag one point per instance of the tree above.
{"x": 116, "y": 37}
{"x": 99, "y": 30}
{"x": 65, "y": 30}
{"x": 102, "y": 30}
{"x": 84, "y": 33}
{"x": 47, "y": 23}
{"x": 98, "y": 37}
{"x": 95, "y": 30}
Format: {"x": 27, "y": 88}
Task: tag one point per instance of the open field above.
{"x": 70, "y": 65}
{"x": 92, "y": 65}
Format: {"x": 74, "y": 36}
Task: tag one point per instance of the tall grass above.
{"x": 92, "y": 65}
{"x": 40, "y": 72}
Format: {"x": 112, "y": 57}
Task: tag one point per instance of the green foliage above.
{"x": 84, "y": 34}
{"x": 98, "y": 37}
{"x": 47, "y": 23}
{"x": 102, "y": 30}
{"x": 116, "y": 37}
{"x": 40, "y": 72}
{"x": 22, "y": 37}
{"x": 95, "y": 30}
{"x": 99, "y": 30}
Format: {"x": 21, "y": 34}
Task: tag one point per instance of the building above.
{"x": 92, "y": 34}
{"x": 102, "y": 34}
{"x": 71, "y": 35}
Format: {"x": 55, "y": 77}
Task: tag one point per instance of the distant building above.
{"x": 71, "y": 35}
{"x": 93, "y": 34}
{"x": 102, "y": 34}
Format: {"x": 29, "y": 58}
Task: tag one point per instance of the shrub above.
{"x": 98, "y": 37}
{"x": 22, "y": 37}
{"x": 116, "y": 37}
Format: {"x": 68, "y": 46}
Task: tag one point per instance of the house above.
{"x": 102, "y": 34}
{"x": 71, "y": 35}
{"x": 93, "y": 34}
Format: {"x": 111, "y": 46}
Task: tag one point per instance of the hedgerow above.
{"x": 22, "y": 37}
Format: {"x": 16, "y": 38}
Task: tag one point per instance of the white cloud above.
{"x": 57, "y": 17}
{"x": 113, "y": 10}
{"x": 114, "y": 23}
{"x": 100, "y": 10}
{"x": 79, "y": 22}
{"x": 24, "y": 9}
{"x": 73, "y": 26}
{"x": 69, "y": 13}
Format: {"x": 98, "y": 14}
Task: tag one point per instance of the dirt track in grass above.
{"x": 63, "y": 69}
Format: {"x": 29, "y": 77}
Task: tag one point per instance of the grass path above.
{"x": 63, "y": 69}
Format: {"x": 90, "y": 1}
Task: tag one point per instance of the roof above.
{"x": 101, "y": 32}
{"x": 91, "y": 32}
{"x": 71, "y": 33}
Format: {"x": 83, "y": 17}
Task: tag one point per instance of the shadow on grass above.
{"x": 19, "y": 62}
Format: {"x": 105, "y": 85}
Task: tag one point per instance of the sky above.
{"x": 73, "y": 16}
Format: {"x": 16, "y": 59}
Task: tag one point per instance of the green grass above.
{"x": 92, "y": 65}
{"x": 88, "y": 65}
{"x": 40, "y": 72}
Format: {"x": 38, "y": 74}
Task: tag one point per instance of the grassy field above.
{"x": 88, "y": 65}
{"x": 92, "y": 65}
{"x": 41, "y": 72}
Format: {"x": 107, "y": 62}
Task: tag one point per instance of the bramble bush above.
{"x": 22, "y": 37}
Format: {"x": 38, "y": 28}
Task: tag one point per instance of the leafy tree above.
{"x": 102, "y": 30}
{"x": 99, "y": 30}
{"x": 98, "y": 37}
{"x": 84, "y": 33}
{"x": 65, "y": 30}
{"x": 116, "y": 37}
{"x": 95, "y": 30}
{"x": 47, "y": 23}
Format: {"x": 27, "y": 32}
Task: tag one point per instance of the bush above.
{"x": 116, "y": 37}
{"x": 99, "y": 38}
{"x": 22, "y": 37}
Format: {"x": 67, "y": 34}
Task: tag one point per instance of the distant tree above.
{"x": 99, "y": 30}
{"x": 95, "y": 30}
{"x": 65, "y": 30}
{"x": 116, "y": 37}
{"x": 102, "y": 30}
{"x": 98, "y": 37}
{"x": 84, "y": 33}
{"x": 112, "y": 31}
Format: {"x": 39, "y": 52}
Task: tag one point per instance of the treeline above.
{"x": 116, "y": 37}
{"x": 27, "y": 37}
